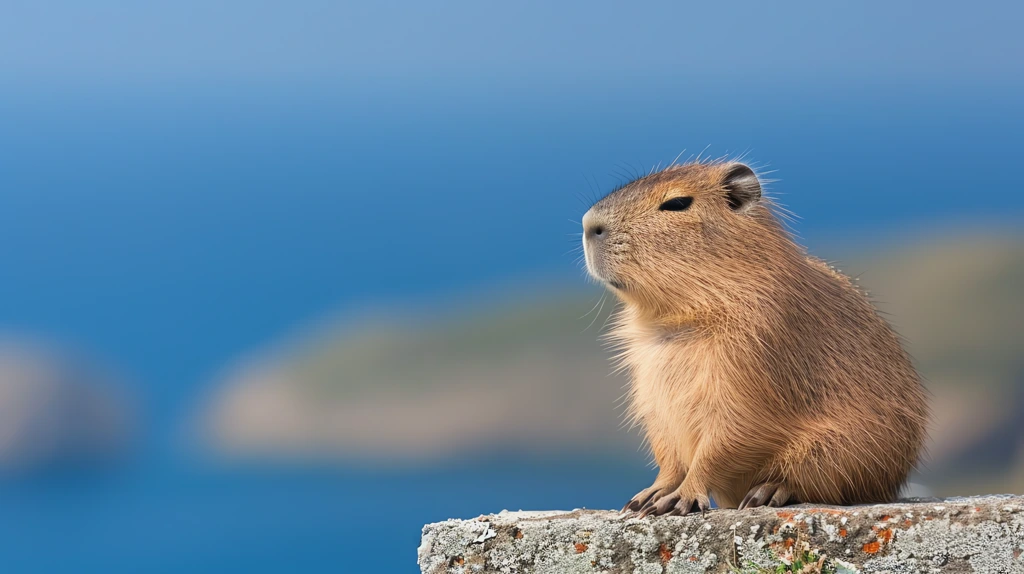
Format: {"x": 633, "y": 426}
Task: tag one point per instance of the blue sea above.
{"x": 160, "y": 519}
{"x": 169, "y": 233}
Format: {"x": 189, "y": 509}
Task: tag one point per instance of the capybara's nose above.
{"x": 593, "y": 228}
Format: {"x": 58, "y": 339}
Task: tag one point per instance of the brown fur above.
{"x": 756, "y": 370}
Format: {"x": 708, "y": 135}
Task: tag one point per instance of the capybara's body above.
{"x": 758, "y": 374}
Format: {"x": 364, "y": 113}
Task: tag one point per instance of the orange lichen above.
{"x": 871, "y": 547}
{"x": 885, "y": 536}
{"x": 842, "y": 532}
{"x": 884, "y": 518}
{"x": 788, "y": 543}
{"x": 665, "y": 553}
{"x": 580, "y": 548}
{"x": 831, "y": 511}
{"x": 692, "y": 559}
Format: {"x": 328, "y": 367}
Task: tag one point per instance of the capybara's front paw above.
{"x": 770, "y": 493}
{"x": 645, "y": 496}
{"x": 679, "y": 502}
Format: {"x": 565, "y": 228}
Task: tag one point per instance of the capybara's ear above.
{"x": 742, "y": 189}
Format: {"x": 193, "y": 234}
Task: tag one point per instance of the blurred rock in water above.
{"x": 58, "y": 410}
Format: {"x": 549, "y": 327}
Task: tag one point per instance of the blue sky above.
{"x": 525, "y": 47}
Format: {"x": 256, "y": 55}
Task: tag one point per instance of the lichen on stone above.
{"x": 978, "y": 534}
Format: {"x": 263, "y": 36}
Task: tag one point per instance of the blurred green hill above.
{"x": 525, "y": 374}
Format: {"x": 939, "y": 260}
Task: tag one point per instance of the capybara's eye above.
{"x": 676, "y": 204}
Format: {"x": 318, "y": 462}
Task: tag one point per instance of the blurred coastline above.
{"x": 527, "y": 375}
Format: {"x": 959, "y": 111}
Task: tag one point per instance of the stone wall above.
{"x": 977, "y": 534}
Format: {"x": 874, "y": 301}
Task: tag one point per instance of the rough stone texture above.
{"x": 976, "y": 534}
